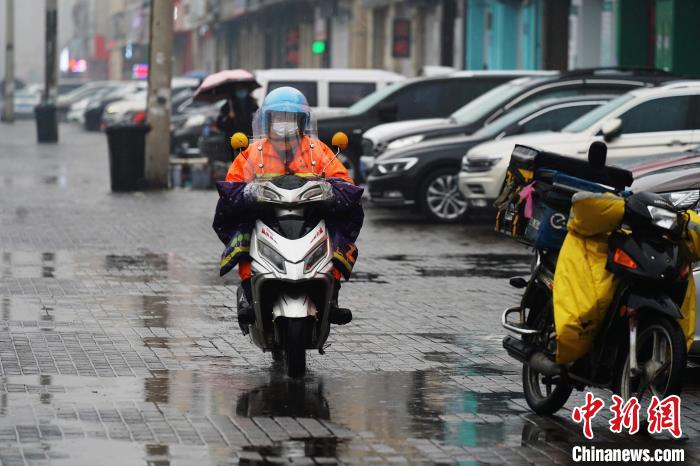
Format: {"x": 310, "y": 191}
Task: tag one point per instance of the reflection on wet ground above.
{"x": 171, "y": 374}
{"x": 466, "y": 265}
{"x": 262, "y": 417}
{"x": 143, "y": 267}
{"x": 148, "y": 267}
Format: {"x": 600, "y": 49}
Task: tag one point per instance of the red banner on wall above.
{"x": 401, "y": 42}
{"x": 100, "y": 49}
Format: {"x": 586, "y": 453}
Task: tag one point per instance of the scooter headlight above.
{"x": 683, "y": 199}
{"x": 262, "y": 193}
{"x": 318, "y": 192}
{"x": 314, "y": 257}
{"x": 663, "y": 218}
{"x": 272, "y": 256}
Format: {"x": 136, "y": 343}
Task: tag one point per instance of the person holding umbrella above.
{"x": 236, "y": 115}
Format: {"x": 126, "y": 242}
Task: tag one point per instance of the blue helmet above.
{"x": 288, "y": 100}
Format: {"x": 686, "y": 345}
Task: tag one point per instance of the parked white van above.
{"x": 327, "y": 90}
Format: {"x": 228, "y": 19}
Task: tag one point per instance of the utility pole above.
{"x": 160, "y": 68}
{"x": 8, "y": 114}
{"x": 51, "y": 68}
{"x": 45, "y": 113}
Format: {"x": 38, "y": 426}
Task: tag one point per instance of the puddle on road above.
{"x": 291, "y": 450}
{"x": 146, "y": 290}
{"x": 366, "y": 277}
{"x": 92, "y": 451}
{"x": 393, "y": 406}
{"x": 143, "y": 267}
{"x": 483, "y": 265}
{"x": 384, "y": 408}
{"x": 466, "y": 265}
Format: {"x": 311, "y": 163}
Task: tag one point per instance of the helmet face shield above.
{"x": 284, "y": 124}
{"x": 285, "y": 107}
{"x": 284, "y": 120}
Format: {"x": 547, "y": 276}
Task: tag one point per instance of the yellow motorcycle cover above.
{"x": 583, "y": 288}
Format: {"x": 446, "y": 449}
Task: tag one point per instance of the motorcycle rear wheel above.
{"x": 295, "y": 348}
{"x": 661, "y": 356}
{"x": 545, "y": 395}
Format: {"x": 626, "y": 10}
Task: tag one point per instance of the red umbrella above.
{"x": 221, "y": 85}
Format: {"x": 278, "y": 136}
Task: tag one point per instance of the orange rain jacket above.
{"x": 246, "y": 166}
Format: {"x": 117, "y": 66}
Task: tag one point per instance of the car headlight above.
{"x": 683, "y": 199}
{"x": 314, "y": 257}
{"x": 479, "y": 164}
{"x": 405, "y": 142}
{"x": 663, "y": 218}
{"x": 195, "y": 120}
{"x": 110, "y": 109}
{"x": 394, "y": 166}
{"x": 272, "y": 256}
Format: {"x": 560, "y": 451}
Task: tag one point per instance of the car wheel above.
{"x": 440, "y": 197}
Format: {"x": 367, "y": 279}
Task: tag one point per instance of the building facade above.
{"x": 659, "y": 33}
{"x": 109, "y": 38}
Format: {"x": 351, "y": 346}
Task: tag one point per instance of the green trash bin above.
{"x": 127, "y": 154}
{"x": 46, "y": 123}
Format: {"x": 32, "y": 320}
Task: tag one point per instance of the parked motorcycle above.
{"x": 640, "y": 349}
{"x": 290, "y": 248}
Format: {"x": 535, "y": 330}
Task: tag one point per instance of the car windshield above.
{"x": 592, "y": 117}
{"x": 375, "y": 97}
{"x": 78, "y": 92}
{"x": 86, "y": 90}
{"x": 487, "y": 102}
{"x": 122, "y": 91}
{"x": 497, "y": 126}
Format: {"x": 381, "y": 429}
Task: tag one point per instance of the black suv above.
{"x": 491, "y": 105}
{"x": 424, "y": 175}
{"x": 411, "y": 99}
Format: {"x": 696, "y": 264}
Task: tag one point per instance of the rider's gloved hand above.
{"x": 249, "y": 194}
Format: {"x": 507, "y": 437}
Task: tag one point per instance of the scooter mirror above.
{"x": 597, "y": 153}
{"x": 239, "y": 141}
{"x": 340, "y": 140}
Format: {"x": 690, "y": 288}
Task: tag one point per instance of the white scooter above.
{"x": 292, "y": 284}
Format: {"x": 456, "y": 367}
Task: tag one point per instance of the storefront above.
{"x": 503, "y": 34}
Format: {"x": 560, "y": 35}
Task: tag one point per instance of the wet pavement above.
{"x": 118, "y": 343}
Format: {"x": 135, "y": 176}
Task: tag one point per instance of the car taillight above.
{"x": 622, "y": 258}
{"x": 138, "y": 117}
{"x": 685, "y": 270}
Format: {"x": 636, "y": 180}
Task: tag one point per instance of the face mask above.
{"x": 241, "y": 94}
{"x": 284, "y": 128}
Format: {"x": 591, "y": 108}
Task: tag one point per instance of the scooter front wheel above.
{"x": 661, "y": 360}
{"x": 295, "y": 348}
{"x": 544, "y": 394}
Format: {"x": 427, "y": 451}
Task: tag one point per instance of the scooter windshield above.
{"x": 283, "y": 144}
